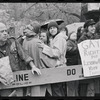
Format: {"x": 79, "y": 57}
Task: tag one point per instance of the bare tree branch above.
{"x": 40, "y": 14}
{"x": 76, "y": 15}
{"x": 54, "y": 14}
{"x": 23, "y": 13}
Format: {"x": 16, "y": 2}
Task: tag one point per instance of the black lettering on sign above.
{"x": 21, "y": 77}
{"x": 68, "y": 72}
{"x": 71, "y": 72}
{"x": 26, "y": 77}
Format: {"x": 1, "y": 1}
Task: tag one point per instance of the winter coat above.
{"x": 86, "y": 36}
{"x": 17, "y": 56}
{"x": 72, "y": 53}
{"x": 32, "y": 46}
{"x": 57, "y": 49}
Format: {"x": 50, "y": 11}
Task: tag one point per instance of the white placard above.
{"x": 90, "y": 57}
{"x": 93, "y": 6}
{"x": 6, "y": 74}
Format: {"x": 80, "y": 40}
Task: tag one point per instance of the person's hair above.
{"x": 64, "y": 28}
{"x": 79, "y": 34}
{"x": 36, "y": 27}
{"x": 98, "y": 27}
{"x": 70, "y": 35}
{"x": 47, "y": 35}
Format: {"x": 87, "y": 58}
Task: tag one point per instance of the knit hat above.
{"x": 52, "y": 23}
{"x": 89, "y": 22}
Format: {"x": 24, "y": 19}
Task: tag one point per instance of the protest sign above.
{"x": 6, "y": 74}
{"x": 90, "y": 57}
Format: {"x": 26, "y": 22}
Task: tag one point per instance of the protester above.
{"x": 57, "y": 51}
{"x": 98, "y": 29}
{"x": 64, "y": 30}
{"x": 89, "y": 31}
{"x": 79, "y": 32}
{"x": 97, "y": 81}
{"x": 12, "y": 48}
{"x": 32, "y": 44}
{"x": 72, "y": 59}
{"x": 88, "y": 87}
{"x": 44, "y": 36}
{"x": 72, "y": 50}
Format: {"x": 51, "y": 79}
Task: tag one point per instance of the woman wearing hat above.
{"x": 89, "y": 31}
{"x": 87, "y": 88}
{"x": 57, "y": 50}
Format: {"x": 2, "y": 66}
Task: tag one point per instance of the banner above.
{"x": 90, "y": 57}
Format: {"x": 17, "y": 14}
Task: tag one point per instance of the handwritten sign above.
{"x": 90, "y": 56}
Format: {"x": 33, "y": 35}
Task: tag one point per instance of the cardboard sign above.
{"x": 6, "y": 74}
{"x": 90, "y": 57}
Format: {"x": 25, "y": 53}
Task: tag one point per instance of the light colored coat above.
{"x": 57, "y": 49}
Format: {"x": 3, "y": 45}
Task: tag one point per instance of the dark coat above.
{"x": 17, "y": 55}
{"x": 86, "y": 36}
{"x": 72, "y": 53}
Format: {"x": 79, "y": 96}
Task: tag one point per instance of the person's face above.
{"x": 53, "y": 30}
{"x": 91, "y": 29}
{"x": 73, "y": 36}
{"x": 43, "y": 37}
{"x": 3, "y": 33}
{"x": 28, "y": 31}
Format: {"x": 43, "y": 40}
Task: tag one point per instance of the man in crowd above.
{"x": 17, "y": 56}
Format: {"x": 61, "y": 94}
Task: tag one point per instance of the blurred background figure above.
{"x": 72, "y": 59}
{"x": 72, "y": 49}
{"x": 44, "y": 37}
{"x": 79, "y": 32}
{"x": 64, "y": 29}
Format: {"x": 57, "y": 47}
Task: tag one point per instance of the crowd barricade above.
{"x": 49, "y": 75}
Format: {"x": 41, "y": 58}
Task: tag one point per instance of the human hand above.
{"x": 41, "y": 45}
{"x": 35, "y": 69}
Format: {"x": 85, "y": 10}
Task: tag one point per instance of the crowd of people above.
{"x": 54, "y": 47}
